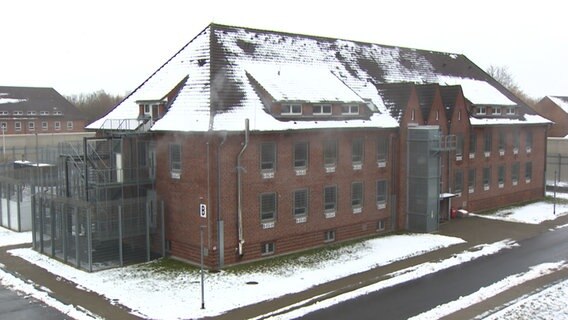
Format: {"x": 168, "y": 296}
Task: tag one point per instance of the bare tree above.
{"x": 504, "y": 76}
{"x": 95, "y": 104}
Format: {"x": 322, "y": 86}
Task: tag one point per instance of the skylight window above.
{"x": 350, "y": 110}
{"x": 291, "y": 109}
{"x": 324, "y": 109}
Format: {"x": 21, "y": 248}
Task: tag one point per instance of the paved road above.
{"x": 16, "y": 306}
{"x": 414, "y": 297}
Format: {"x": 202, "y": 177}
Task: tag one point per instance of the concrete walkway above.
{"x": 473, "y": 230}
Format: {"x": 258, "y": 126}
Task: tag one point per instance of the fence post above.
{"x": 120, "y": 254}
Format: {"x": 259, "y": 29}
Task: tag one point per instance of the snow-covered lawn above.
{"x": 177, "y": 295}
{"x": 9, "y": 237}
{"x": 533, "y": 213}
{"x": 550, "y": 303}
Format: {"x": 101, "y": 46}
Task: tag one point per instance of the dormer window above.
{"x": 44, "y": 113}
{"x": 57, "y": 113}
{"x": 18, "y": 113}
{"x": 511, "y": 110}
{"x": 291, "y": 110}
{"x": 323, "y": 109}
{"x": 31, "y": 113}
{"x": 350, "y": 110}
{"x": 480, "y": 110}
{"x": 497, "y": 111}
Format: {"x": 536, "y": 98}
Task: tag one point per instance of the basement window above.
{"x": 267, "y": 248}
{"x": 329, "y": 236}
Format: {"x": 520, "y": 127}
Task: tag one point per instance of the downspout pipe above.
{"x": 220, "y": 245}
{"x": 239, "y": 191}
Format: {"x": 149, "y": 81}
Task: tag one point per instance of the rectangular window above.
{"x": 382, "y": 149}
{"x": 57, "y": 113}
{"x": 515, "y": 169}
{"x": 175, "y": 157}
{"x": 471, "y": 180}
{"x": 329, "y": 236}
{"x": 528, "y": 171}
{"x": 31, "y": 113}
{"x": 44, "y": 113}
{"x": 357, "y": 194}
{"x": 458, "y": 181}
{"x": 511, "y": 110}
{"x": 486, "y": 178}
{"x": 324, "y": 109}
{"x": 44, "y": 125}
{"x": 459, "y": 145}
{"x": 381, "y": 193}
{"x": 502, "y": 140}
{"x": 516, "y": 141}
{"x": 330, "y": 153}
{"x": 301, "y": 155}
{"x": 142, "y": 153}
{"x": 267, "y": 248}
{"x": 4, "y": 126}
{"x": 350, "y": 110}
{"x": 472, "y": 142}
{"x": 529, "y": 141}
{"x": 487, "y": 142}
{"x": 291, "y": 109}
{"x": 268, "y": 206}
{"x": 18, "y": 113}
{"x": 501, "y": 176}
{"x": 357, "y": 151}
{"x": 301, "y": 202}
{"x": 268, "y": 156}
{"x": 330, "y": 198}
{"x": 57, "y": 125}
{"x": 480, "y": 110}
{"x": 18, "y": 126}
{"x": 497, "y": 111}
{"x": 31, "y": 125}
{"x": 69, "y": 125}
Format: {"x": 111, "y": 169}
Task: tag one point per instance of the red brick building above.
{"x": 28, "y": 110}
{"x": 276, "y": 142}
{"x": 555, "y": 108}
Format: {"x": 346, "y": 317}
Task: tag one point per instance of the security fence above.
{"x": 557, "y": 169}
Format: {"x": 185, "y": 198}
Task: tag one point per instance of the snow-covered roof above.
{"x": 24, "y": 99}
{"x": 562, "y": 102}
{"x": 222, "y": 67}
{"x": 526, "y": 119}
{"x": 306, "y": 83}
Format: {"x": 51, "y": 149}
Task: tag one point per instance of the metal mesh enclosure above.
{"x": 423, "y": 178}
{"x": 96, "y": 237}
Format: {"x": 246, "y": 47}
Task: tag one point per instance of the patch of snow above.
{"x": 477, "y": 91}
{"x": 18, "y": 285}
{"x": 533, "y": 213}
{"x": 163, "y": 294}
{"x": 398, "y": 277}
{"x": 9, "y": 237}
{"x": 491, "y": 291}
{"x": 560, "y": 102}
{"x": 528, "y": 119}
{"x": 306, "y": 83}
{"x": 9, "y": 100}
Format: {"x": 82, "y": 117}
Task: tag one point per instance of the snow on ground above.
{"x": 533, "y": 213}
{"x": 9, "y": 237}
{"x": 550, "y": 303}
{"x": 30, "y": 290}
{"x": 491, "y": 291}
{"x": 168, "y": 296}
{"x": 396, "y": 278}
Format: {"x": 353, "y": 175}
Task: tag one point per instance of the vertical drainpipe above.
{"x": 220, "y": 228}
{"x": 239, "y": 190}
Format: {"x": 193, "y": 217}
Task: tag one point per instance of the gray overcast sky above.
{"x": 114, "y": 45}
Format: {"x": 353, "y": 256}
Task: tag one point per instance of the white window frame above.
{"x": 57, "y": 125}
{"x": 322, "y": 111}
{"x": 291, "y": 110}
{"x": 31, "y": 125}
{"x": 350, "y": 110}
{"x": 274, "y": 208}
{"x": 267, "y": 248}
{"x": 497, "y": 111}
{"x": 31, "y": 113}
{"x": 69, "y": 125}
{"x": 480, "y": 110}
{"x": 17, "y": 126}
{"x": 511, "y": 110}
{"x": 329, "y": 236}
{"x": 18, "y": 113}
{"x": 44, "y": 113}
{"x": 44, "y": 125}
